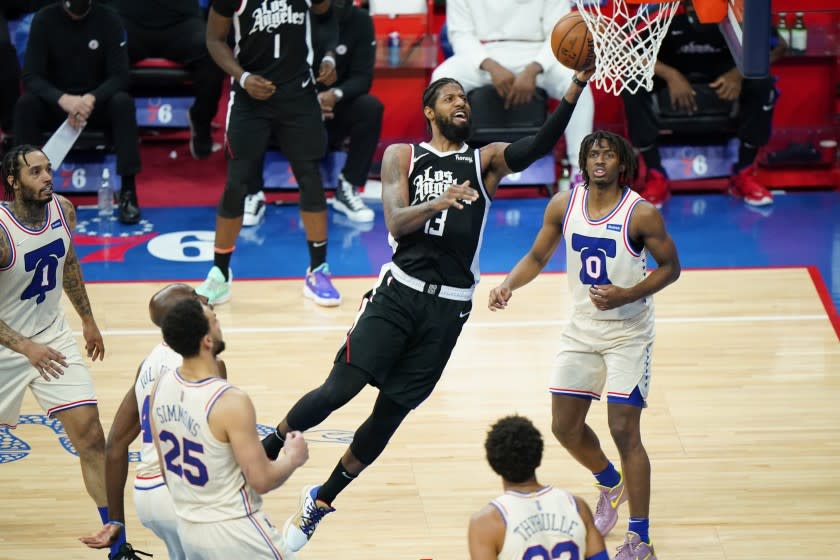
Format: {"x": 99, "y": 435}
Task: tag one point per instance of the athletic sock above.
{"x": 103, "y": 515}
{"x": 222, "y": 260}
{"x": 338, "y": 481}
{"x": 317, "y": 253}
{"x": 640, "y": 526}
{"x": 608, "y": 477}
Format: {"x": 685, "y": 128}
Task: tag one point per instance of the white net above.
{"x": 626, "y": 41}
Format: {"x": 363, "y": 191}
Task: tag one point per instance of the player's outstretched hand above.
{"x": 258, "y": 87}
{"x": 46, "y": 360}
{"x": 608, "y": 296}
{"x": 296, "y": 449}
{"x": 499, "y": 297}
{"x": 584, "y": 75}
{"x": 103, "y": 538}
{"x": 456, "y": 195}
{"x": 94, "y": 345}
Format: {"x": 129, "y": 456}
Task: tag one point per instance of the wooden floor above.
{"x": 741, "y": 429}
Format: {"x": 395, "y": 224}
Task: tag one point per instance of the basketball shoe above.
{"x": 634, "y": 549}
{"x": 298, "y": 528}
{"x": 744, "y": 184}
{"x": 349, "y": 203}
{"x": 254, "y": 209}
{"x": 657, "y": 188}
{"x": 215, "y": 288}
{"x": 319, "y": 288}
{"x": 127, "y": 552}
{"x": 606, "y": 511}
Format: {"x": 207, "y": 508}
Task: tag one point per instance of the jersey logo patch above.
{"x": 56, "y": 224}
{"x": 614, "y": 227}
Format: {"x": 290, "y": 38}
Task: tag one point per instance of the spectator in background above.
{"x": 507, "y": 43}
{"x": 175, "y": 30}
{"x": 694, "y": 60}
{"x": 76, "y": 68}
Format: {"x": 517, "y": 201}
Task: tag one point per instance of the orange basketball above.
{"x": 571, "y": 42}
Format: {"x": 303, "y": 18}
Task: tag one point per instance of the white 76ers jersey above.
{"x": 161, "y": 359}
{"x": 33, "y": 281}
{"x": 203, "y": 477}
{"x": 600, "y": 252}
{"x": 543, "y": 524}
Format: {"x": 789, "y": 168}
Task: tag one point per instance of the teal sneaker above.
{"x": 215, "y": 288}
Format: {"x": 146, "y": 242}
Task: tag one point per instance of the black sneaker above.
{"x": 129, "y": 211}
{"x": 201, "y": 142}
{"x": 127, "y": 552}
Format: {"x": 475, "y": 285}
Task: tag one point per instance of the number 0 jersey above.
{"x": 542, "y": 524}
{"x": 160, "y": 360}
{"x": 600, "y": 252}
{"x": 446, "y": 250}
{"x": 33, "y": 280}
{"x": 203, "y": 477}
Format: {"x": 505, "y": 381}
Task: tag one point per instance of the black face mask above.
{"x": 78, "y": 8}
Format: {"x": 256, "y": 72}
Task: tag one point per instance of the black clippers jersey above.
{"x": 446, "y": 249}
{"x": 272, "y": 36}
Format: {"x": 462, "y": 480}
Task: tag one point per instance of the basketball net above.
{"x": 627, "y": 41}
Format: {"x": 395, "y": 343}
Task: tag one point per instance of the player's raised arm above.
{"x": 530, "y": 265}
{"x": 234, "y": 419}
{"x": 401, "y": 217}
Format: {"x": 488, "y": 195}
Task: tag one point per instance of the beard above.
{"x": 452, "y": 131}
{"x": 218, "y": 347}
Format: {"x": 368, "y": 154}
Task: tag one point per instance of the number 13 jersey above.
{"x": 446, "y": 249}
{"x": 600, "y": 252}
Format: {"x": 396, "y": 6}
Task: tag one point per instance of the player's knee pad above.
{"x": 308, "y": 175}
{"x": 232, "y": 203}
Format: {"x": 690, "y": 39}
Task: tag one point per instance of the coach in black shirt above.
{"x": 349, "y": 110}
{"x": 76, "y": 67}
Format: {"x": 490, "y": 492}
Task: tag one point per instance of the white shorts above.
{"x": 253, "y": 537}
{"x": 74, "y": 388}
{"x": 156, "y": 512}
{"x": 594, "y": 353}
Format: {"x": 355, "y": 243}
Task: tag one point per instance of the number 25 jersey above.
{"x": 600, "y": 252}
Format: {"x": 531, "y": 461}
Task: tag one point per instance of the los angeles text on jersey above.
{"x": 272, "y": 14}
{"x": 431, "y": 184}
{"x": 169, "y": 413}
{"x": 545, "y": 522}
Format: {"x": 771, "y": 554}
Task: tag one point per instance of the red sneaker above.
{"x": 657, "y": 188}
{"x": 745, "y": 185}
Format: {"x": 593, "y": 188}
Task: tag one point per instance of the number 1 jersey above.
{"x": 600, "y": 252}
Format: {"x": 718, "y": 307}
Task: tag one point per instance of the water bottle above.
{"x": 105, "y": 198}
{"x": 799, "y": 35}
{"x": 394, "y": 44}
{"x": 782, "y": 28}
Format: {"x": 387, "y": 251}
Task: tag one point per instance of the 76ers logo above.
{"x": 44, "y": 261}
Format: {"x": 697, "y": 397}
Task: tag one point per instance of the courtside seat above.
{"x": 493, "y": 123}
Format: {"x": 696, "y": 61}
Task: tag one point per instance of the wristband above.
{"x": 580, "y": 83}
{"x": 117, "y": 523}
{"x": 243, "y": 77}
{"x": 330, "y": 58}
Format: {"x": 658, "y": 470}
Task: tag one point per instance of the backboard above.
{"x": 746, "y": 28}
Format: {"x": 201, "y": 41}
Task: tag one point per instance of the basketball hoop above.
{"x": 627, "y": 41}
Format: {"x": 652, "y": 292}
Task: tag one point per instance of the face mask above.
{"x": 78, "y": 8}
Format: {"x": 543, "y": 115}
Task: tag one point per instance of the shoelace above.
{"x": 310, "y": 519}
{"x": 349, "y": 196}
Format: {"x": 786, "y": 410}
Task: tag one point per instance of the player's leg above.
{"x": 755, "y": 115}
{"x": 253, "y": 537}
{"x": 246, "y": 139}
{"x": 84, "y": 430}
{"x": 157, "y": 513}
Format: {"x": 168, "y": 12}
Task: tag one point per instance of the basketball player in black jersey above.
{"x": 272, "y": 95}
{"x": 436, "y": 197}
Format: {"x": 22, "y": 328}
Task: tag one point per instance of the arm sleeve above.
{"x": 525, "y": 151}
{"x": 35, "y": 62}
{"x": 116, "y": 59}
{"x": 552, "y": 11}
{"x": 362, "y": 59}
{"x": 462, "y": 34}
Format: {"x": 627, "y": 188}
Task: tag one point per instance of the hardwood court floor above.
{"x": 741, "y": 428}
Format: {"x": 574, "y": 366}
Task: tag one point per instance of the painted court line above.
{"x": 480, "y": 325}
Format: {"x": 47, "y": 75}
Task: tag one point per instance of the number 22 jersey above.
{"x": 600, "y": 252}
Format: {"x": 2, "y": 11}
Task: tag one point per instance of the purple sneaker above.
{"x": 606, "y": 511}
{"x": 319, "y": 288}
{"x": 634, "y": 549}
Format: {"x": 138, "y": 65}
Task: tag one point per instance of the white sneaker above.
{"x": 254, "y": 209}
{"x": 348, "y": 202}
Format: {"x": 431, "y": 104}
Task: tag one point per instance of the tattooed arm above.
{"x": 74, "y": 287}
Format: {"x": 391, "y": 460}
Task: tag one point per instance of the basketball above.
{"x": 571, "y": 42}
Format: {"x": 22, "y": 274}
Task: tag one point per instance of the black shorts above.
{"x": 291, "y": 119}
{"x": 403, "y": 338}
